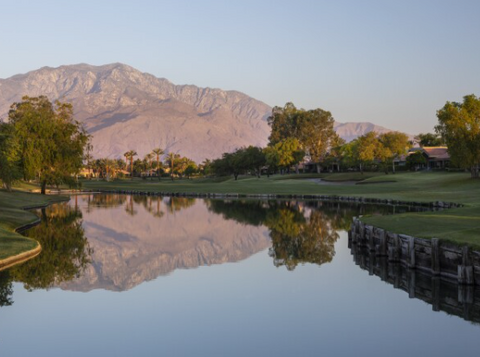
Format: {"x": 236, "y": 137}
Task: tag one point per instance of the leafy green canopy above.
{"x": 312, "y": 128}
{"x": 50, "y": 142}
{"x": 459, "y": 126}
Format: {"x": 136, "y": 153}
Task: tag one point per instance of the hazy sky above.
{"x": 393, "y": 63}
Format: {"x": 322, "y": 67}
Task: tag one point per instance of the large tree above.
{"x": 459, "y": 126}
{"x": 312, "y": 128}
{"x": 50, "y": 141}
{"x": 392, "y": 145}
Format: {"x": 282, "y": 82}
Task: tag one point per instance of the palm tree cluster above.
{"x": 152, "y": 165}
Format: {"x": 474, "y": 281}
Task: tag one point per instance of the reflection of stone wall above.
{"x": 439, "y": 258}
{"x": 454, "y": 299}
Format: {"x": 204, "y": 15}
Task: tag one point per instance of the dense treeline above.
{"x": 308, "y": 136}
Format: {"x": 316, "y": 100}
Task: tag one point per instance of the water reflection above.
{"x": 138, "y": 238}
{"x": 454, "y": 299}
{"x": 6, "y": 289}
{"x": 132, "y": 239}
{"x": 301, "y": 231}
{"x": 65, "y": 250}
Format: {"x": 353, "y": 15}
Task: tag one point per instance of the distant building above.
{"x": 437, "y": 156}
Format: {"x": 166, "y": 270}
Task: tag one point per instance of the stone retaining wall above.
{"x": 433, "y": 256}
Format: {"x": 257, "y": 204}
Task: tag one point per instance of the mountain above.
{"x": 350, "y": 131}
{"x": 125, "y": 109}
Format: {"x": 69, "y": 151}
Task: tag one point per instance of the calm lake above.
{"x": 124, "y": 275}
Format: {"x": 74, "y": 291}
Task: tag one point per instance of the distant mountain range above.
{"x": 125, "y": 109}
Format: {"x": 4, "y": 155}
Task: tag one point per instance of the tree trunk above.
{"x": 236, "y": 176}
{"x": 43, "y": 189}
{"x": 297, "y": 171}
{"x": 361, "y": 168}
{"x": 474, "y": 171}
{"x": 319, "y": 168}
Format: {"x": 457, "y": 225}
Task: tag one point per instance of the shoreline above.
{"x": 22, "y": 257}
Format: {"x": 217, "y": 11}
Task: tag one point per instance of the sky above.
{"x": 393, "y": 63}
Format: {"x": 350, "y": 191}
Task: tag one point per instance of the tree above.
{"x": 416, "y": 160}
{"x": 429, "y": 139}
{"x": 459, "y": 126}
{"x": 312, "y": 128}
{"x": 158, "y": 152}
{"x": 317, "y": 134}
{"x": 334, "y": 155}
{"x": 365, "y": 149}
{"x": 149, "y": 158}
{"x": 9, "y": 157}
{"x": 391, "y": 146}
{"x": 272, "y": 159}
{"x": 172, "y": 162}
{"x": 51, "y": 143}
{"x": 254, "y": 159}
{"x": 289, "y": 152}
{"x": 129, "y": 156}
{"x": 284, "y": 123}
{"x": 231, "y": 164}
{"x": 206, "y": 167}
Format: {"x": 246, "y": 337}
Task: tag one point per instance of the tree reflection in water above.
{"x": 65, "y": 249}
{"x": 6, "y": 289}
{"x": 301, "y": 231}
{"x": 152, "y": 204}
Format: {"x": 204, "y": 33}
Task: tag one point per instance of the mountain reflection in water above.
{"x": 116, "y": 242}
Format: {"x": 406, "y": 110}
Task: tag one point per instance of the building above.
{"x": 437, "y": 157}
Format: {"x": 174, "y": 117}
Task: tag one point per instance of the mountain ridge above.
{"x": 126, "y": 109}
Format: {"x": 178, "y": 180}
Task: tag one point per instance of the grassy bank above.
{"x": 13, "y": 216}
{"x": 461, "y": 225}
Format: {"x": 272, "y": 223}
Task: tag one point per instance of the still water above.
{"x": 149, "y": 276}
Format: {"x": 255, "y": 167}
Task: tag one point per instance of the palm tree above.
{"x": 149, "y": 158}
{"x": 130, "y": 154}
{"x": 171, "y": 160}
{"x": 158, "y": 152}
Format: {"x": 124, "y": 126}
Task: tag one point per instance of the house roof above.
{"x": 432, "y": 152}
{"x": 437, "y": 152}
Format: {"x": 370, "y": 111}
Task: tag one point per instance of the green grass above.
{"x": 13, "y": 216}
{"x": 461, "y": 225}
